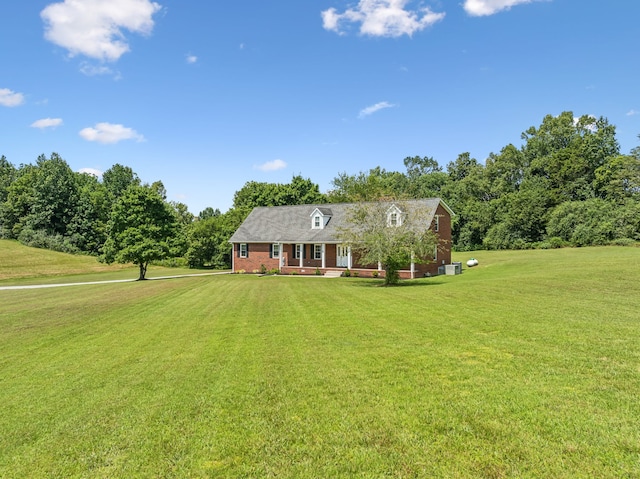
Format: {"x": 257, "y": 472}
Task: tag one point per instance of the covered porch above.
{"x": 320, "y": 258}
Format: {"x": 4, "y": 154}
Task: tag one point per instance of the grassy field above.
{"x": 526, "y": 366}
{"x": 23, "y": 265}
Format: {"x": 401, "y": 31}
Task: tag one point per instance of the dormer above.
{"x": 394, "y": 216}
{"x": 320, "y": 217}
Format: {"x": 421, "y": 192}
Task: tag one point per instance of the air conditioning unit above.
{"x": 451, "y": 269}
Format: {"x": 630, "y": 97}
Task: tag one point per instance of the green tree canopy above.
{"x": 142, "y": 228}
{"x": 299, "y": 192}
{"x": 375, "y": 240}
{"x": 118, "y": 178}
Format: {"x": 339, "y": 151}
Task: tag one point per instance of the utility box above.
{"x": 451, "y": 269}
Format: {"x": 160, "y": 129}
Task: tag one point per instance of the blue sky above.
{"x": 206, "y": 96}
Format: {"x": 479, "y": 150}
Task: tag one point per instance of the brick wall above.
{"x": 258, "y": 255}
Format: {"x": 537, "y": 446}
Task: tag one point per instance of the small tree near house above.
{"x": 390, "y": 232}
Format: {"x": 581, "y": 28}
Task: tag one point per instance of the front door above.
{"x": 342, "y": 256}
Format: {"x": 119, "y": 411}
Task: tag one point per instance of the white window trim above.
{"x": 274, "y": 247}
{"x": 436, "y": 227}
{"x": 394, "y": 210}
{"x": 317, "y": 251}
{"x": 297, "y": 251}
{"x": 322, "y": 218}
{"x": 245, "y": 253}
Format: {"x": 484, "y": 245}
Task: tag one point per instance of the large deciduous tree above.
{"x": 142, "y": 228}
{"x": 299, "y": 192}
{"x": 375, "y": 238}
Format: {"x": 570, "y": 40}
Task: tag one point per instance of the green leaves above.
{"x": 142, "y": 228}
{"x": 374, "y": 240}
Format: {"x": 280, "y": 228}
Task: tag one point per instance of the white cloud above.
{"x": 93, "y": 70}
{"x": 109, "y": 133}
{"x": 91, "y": 171}
{"x": 272, "y": 165}
{"x": 479, "y": 8}
{"x": 192, "y": 59}
{"x": 370, "y": 110}
{"x": 47, "y": 123}
{"x": 10, "y": 98}
{"x": 95, "y": 27}
{"x": 633, "y": 112}
{"x": 382, "y": 18}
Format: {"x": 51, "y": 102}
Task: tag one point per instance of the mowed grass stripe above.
{"x": 500, "y": 372}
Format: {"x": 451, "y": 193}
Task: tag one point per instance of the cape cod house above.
{"x": 303, "y": 239}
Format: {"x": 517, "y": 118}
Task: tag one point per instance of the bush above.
{"x": 42, "y": 239}
{"x": 623, "y": 242}
{"x": 557, "y": 242}
{"x": 346, "y": 273}
{"x": 584, "y": 223}
{"x": 294, "y": 273}
{"x": 500, "y": 236}
{"x": 5, "y": 233}
{"x": 374, "y": 274}
{"x": 173, "y": 263}
{"x": 274, "y": 271}
{"x": 318, "y": 272}
{"x": 263, "y": 269}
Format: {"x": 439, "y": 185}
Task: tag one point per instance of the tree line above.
{"x": 567, "y": 184}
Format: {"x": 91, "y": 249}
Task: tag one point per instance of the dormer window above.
{"x": 320, "y": 217}
{"x": 394, "y": 216}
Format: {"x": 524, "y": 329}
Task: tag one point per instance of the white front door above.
{"x": 342, "y": 256}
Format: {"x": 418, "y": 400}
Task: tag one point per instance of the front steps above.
{"x": 333, "y": 274}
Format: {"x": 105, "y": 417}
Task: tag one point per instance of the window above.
{"x": 244, "y": 250}
{"x": 436, "y": 226}
{"x": 394, "y": 216}
{"x": 435, "y": 253}
{"x": 317, "y": 251}
{"x": 297, "y": 251}
{"x": 275, "y": 250}
{"x": 320, "y": 217}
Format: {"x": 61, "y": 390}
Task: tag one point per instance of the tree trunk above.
{"x": 391, "y": 276}
{"x": 143, "y": 271}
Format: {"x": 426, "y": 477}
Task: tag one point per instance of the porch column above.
{"x": 413, "y": 267}
{"x": 349, "y": 258}
{"x": 324, "y": 256}
{"x": 301, "y": 255}
{"x": 280, "y": 256}
{"x": 379, "y": 266}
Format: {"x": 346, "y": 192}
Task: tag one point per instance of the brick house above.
{"x": 303, "y": 239}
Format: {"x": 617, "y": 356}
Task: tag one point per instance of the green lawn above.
{"x": 526, "y": 366}
{"x": 21, "y": 265}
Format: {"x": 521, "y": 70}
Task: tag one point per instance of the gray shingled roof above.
{"x": 292, "y": 224}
